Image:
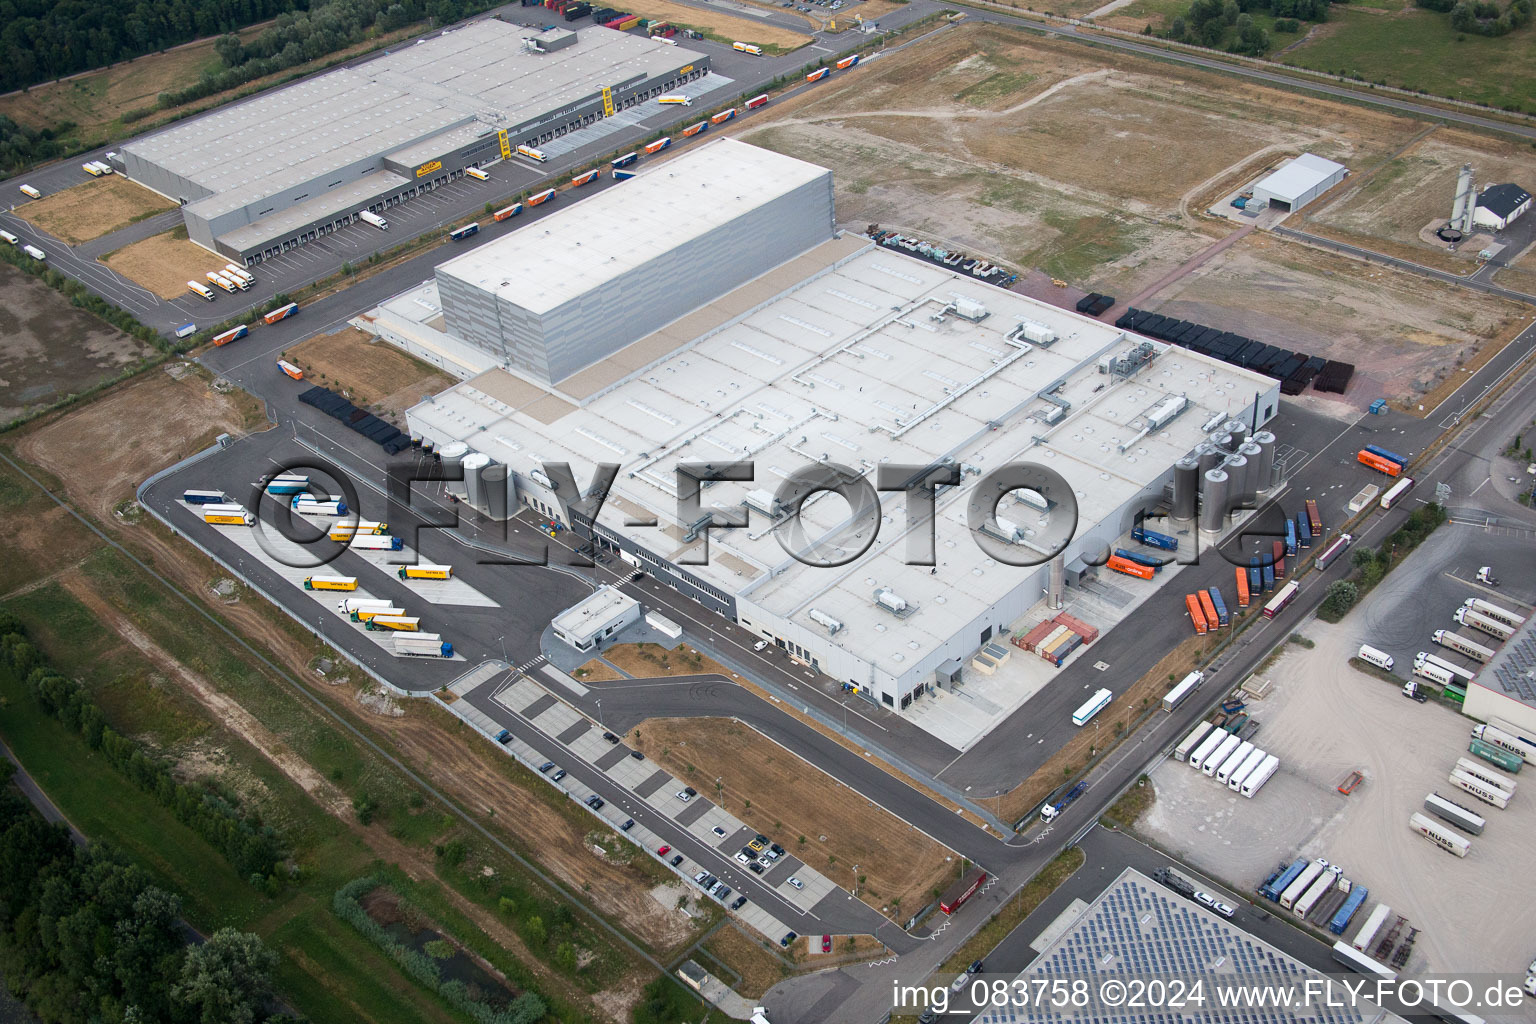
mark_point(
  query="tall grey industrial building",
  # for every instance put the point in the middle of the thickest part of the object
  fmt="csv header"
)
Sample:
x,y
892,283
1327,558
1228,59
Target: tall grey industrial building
x,y
665,243
708,311
291,165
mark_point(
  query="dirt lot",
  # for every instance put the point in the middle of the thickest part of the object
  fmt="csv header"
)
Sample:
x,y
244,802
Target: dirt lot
x,y
595,671
648,661
725,26
1038,154
93,208
1403,333
1416,188
165,263
49,349
782,796
1520,274
369,372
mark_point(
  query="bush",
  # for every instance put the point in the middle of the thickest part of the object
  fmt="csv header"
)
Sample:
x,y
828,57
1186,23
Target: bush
x,y
1342,596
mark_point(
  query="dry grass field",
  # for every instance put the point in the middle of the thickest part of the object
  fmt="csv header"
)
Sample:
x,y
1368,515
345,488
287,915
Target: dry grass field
x,y
1520,274
50,349
93,208
1041,154
1415,188
367,371
1403,333
165,263
785,797
724,26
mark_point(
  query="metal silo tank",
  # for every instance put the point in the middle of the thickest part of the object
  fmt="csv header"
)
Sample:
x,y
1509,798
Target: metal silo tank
x,y
1213,503
1237,481
498,485
1209,458
1238,429
1186,488
1252,452
452,456
1265,474
474,490
1223,443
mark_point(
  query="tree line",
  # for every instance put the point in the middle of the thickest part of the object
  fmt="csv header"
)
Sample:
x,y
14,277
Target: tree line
x,y
41,40
89,939
1481,17
1229,25
251,847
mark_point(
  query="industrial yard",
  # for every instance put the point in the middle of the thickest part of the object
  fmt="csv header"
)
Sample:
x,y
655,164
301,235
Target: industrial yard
x,y
163,263
95,207
1325,720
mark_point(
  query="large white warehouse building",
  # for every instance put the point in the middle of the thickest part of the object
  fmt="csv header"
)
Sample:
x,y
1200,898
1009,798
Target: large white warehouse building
x,y
840,354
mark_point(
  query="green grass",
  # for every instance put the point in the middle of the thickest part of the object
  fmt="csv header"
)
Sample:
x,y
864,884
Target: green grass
x,y
1417,49
1133,803
1014,911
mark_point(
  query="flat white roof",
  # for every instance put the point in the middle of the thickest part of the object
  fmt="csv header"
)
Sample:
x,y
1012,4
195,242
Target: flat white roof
x,y
1295,177
855,364
593,613
588,244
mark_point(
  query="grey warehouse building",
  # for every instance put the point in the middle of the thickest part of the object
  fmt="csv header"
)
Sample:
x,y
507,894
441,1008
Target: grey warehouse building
x,y
666,242
289,166
811,348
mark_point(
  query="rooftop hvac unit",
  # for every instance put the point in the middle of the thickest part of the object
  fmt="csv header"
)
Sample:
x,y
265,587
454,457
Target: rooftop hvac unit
x,y
1212,423
1053,414
969,309
891,601
1035,331
762,501
1008,529
1034,499
819,616
540,478
1163,412
1130,362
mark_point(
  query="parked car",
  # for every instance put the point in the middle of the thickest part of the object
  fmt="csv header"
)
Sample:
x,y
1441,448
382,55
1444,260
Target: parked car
x,y
723,893
684,795
755,868
677,860
717,830
504,737
1222,909
636,755
610,737
762,643
739,902
776,850
826,943
757,844
559,774
663,850
546,766
629,823
788,938
714,886
700,877
975,968
796,882
595,802
1205,900
743,859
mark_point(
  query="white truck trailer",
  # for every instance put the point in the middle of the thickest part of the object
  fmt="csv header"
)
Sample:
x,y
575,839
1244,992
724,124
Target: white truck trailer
x,y
1255,782
1300,884
369,217
1494,612
1426,658
1462,817
1307,900
1460,644
422,645
1223,751
1438,834
1492,795
1479,770
1255,758
1372,927
1427,669
1188,743
1508,741
1234,761
1477,620
1206,748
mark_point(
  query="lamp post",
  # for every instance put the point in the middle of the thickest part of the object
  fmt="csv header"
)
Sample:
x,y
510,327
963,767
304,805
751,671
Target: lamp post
x,y
503,641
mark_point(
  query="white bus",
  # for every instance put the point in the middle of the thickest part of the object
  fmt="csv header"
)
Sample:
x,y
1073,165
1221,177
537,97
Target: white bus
x,y
1188,685
1092,706
1371,656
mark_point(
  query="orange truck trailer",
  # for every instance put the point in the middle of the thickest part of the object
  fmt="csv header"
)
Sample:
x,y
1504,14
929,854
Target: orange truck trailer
x,y
1196,616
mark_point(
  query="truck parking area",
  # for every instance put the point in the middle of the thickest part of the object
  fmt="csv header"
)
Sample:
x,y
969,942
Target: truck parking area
x,y
1327,721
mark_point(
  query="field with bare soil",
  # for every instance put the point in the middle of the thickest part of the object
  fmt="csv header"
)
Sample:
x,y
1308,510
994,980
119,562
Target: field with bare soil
x,y
784,797
1039,154
93,208
50,349
165,263
367,371
1403,333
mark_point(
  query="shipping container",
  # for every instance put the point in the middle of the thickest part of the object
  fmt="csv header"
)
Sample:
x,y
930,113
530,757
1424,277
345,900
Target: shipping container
x,y
657,146
623,175
1208,609
1378,463
461,233
1155,564
1260,775
1277,555
1449,810
757,101
1441,836
1223,617
541,198
1188,744
233,334
586,177
1505,741
1196,616
319,582
507,211
1303,531
1301,883
1129,568
281,313
1314,518
1255,758
1366,936
1390,456
1152,538
1290,536
1243,593
626,160
1206,748
1480,769
1272,889
818,75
